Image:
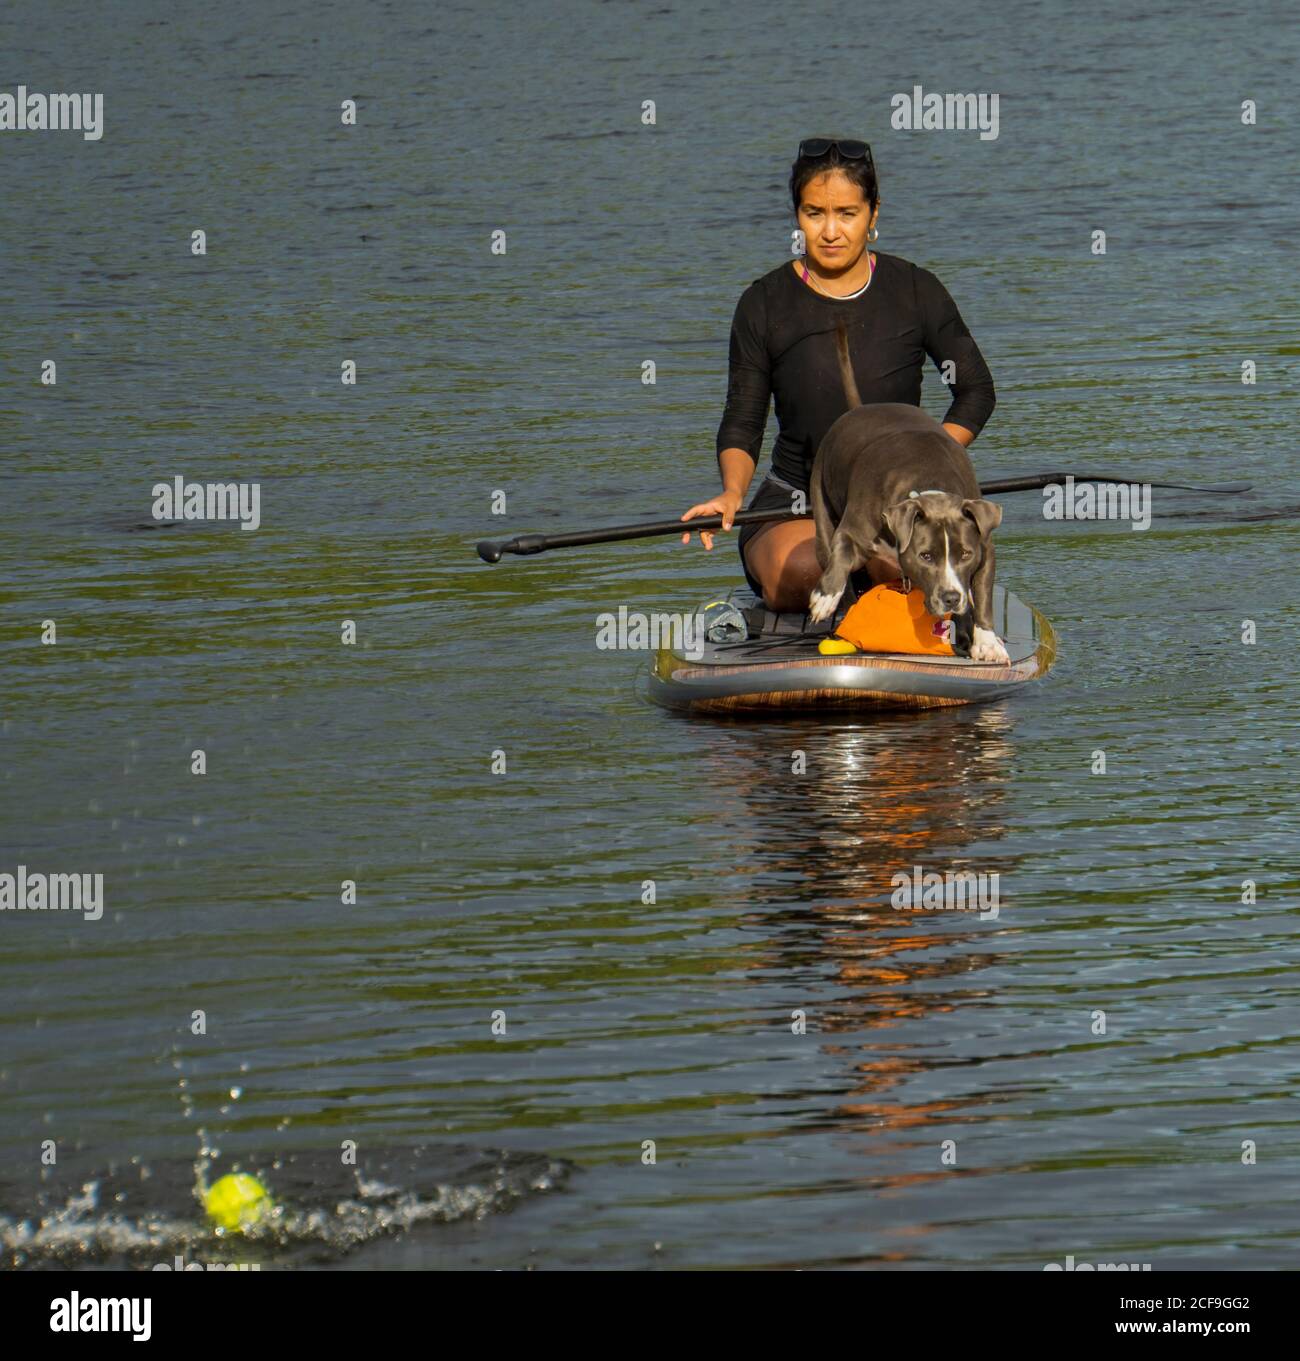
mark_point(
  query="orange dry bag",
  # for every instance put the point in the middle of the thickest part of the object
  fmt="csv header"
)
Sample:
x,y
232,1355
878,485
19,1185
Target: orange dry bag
x,y
886,620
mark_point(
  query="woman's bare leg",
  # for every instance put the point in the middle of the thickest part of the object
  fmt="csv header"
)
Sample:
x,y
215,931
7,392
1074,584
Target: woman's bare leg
x,y
783,559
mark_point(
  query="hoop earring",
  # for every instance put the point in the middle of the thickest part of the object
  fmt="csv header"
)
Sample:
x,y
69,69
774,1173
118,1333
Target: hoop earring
x,y
873,235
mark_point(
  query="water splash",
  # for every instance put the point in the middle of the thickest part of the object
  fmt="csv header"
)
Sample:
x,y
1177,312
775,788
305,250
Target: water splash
x,y
140,1216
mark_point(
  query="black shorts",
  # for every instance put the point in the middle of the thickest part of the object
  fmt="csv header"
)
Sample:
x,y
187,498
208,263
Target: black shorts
x,y
769,496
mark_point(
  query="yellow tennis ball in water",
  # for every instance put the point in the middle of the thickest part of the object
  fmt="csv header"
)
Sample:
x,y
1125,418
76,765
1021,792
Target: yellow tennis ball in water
x,y
237,1201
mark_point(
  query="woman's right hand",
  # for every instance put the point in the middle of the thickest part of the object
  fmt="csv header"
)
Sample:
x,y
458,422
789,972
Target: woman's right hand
x,y
726,504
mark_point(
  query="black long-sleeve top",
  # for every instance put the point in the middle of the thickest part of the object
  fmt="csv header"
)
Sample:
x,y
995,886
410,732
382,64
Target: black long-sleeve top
x,y
783,347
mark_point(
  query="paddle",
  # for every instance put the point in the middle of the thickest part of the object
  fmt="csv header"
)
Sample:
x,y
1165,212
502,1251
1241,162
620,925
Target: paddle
x,y
539,543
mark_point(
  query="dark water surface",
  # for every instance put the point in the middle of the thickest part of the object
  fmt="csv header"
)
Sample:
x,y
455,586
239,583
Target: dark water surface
x,y
523,892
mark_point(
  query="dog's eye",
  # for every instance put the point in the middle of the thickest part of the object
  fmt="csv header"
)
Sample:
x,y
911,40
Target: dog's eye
x,y
966,553
927,557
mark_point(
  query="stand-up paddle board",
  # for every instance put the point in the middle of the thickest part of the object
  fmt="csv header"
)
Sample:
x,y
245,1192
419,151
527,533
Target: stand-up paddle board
x,y
778,668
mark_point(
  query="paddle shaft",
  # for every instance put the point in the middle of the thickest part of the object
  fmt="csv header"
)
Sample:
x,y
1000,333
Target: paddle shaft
x,y
539,543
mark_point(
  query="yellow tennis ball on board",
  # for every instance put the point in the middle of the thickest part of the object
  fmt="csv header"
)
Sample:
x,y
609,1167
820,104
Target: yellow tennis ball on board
x,y
237,1201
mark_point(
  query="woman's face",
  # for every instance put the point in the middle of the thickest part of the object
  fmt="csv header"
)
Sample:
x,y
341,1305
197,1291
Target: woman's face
x,y
835,219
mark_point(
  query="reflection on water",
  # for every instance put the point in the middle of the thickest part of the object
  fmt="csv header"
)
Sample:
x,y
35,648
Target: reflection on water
x,y
877,800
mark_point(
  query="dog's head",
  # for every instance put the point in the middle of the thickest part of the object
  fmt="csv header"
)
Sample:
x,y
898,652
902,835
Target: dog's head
x,y
941,540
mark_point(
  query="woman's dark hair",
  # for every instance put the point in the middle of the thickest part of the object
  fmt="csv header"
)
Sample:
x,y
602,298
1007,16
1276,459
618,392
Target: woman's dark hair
x,y
860,172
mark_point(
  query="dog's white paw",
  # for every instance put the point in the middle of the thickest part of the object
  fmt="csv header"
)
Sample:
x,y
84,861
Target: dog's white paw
x,y
822,606
987,647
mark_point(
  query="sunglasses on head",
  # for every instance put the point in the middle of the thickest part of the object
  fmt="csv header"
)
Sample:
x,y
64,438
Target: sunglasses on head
x,y
848,147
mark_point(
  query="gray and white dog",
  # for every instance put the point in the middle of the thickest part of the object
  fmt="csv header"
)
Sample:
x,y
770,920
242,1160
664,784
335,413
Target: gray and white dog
x,y
889,480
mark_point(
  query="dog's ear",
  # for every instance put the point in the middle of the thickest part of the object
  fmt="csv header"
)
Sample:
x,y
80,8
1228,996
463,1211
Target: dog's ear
x,y
901,520
986,515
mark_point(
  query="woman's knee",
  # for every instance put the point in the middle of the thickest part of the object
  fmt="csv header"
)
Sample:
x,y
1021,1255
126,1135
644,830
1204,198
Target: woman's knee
x,y
788,574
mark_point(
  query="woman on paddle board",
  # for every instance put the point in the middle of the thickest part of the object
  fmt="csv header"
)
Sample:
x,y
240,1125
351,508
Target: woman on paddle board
x,y
783,347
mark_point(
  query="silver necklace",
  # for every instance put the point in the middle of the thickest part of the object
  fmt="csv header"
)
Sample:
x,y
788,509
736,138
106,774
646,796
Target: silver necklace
x,y
842,297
